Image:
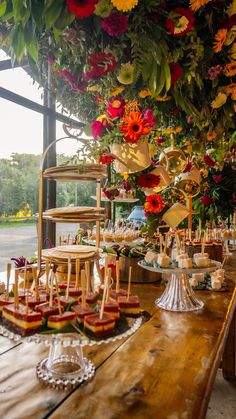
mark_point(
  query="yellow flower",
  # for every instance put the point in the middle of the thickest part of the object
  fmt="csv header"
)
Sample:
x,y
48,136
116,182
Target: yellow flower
x,y
126,74
163,98
175,130
196,4
219,100
230,36
232,8
220,38
103,8
117,91
94,88
230,69
124,5
233,51
211,135
144,93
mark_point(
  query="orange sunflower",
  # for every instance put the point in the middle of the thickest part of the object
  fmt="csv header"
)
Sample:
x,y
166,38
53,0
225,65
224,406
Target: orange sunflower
x,y
153,204
220,38
135,126
230,69
196,4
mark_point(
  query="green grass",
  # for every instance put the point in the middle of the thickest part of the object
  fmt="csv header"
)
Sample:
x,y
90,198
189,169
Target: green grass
x,y
20,223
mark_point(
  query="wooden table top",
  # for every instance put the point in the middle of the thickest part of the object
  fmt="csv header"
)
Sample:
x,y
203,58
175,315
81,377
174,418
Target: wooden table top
x,y
165,370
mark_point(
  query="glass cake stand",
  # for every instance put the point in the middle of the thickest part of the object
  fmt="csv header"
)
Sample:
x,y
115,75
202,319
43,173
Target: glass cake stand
x,y
66,367
178,294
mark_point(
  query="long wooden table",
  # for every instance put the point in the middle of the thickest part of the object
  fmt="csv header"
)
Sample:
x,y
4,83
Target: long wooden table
x,y
165,370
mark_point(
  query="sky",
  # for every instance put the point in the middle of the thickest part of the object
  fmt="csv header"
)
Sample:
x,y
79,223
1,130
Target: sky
x,y
21,130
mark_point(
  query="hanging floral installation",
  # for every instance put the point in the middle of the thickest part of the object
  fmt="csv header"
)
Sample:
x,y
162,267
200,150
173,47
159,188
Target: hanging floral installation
x,y
159,70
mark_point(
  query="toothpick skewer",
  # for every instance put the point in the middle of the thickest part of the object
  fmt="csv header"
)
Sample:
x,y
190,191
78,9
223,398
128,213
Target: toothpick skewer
x,y
58,296
47,271
83,284
16,294
8,281
77,273
99,272
103,298
108,284
36,285
165,243
87,274
117,275
203,242
25,275
160,239
51,288
68,277
129,282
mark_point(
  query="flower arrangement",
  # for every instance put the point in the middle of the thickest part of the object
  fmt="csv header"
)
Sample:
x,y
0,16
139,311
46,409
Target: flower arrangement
x,y
178,56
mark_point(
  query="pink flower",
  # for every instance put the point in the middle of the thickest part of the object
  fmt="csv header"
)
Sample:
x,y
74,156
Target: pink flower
x,y
206,200
115,24
150,117
160,140
126,185
97,129
209,161
217,178
116,107
214,71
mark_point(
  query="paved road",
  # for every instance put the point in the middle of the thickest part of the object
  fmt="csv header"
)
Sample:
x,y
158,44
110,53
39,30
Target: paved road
x,y
22,241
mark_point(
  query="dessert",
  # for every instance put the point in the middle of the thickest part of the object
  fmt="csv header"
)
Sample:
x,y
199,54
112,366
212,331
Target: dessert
x,y
119,293
129,305
33,301
97,326
111,307
185,263
151,257
163,260
81,311
58,321
202,261
5,301
91,298
64,301
46,310
22,319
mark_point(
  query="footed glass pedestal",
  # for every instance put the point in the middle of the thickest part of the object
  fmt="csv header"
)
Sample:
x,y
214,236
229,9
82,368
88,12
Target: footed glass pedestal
x,y
65,366
178,294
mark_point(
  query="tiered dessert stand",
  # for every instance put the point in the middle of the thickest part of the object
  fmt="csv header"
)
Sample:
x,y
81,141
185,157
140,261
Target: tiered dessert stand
x,y
178,294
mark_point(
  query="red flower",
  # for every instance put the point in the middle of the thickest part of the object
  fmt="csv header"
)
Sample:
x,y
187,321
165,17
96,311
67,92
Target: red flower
x,y
105,158
217,178
148,180
176,72
116,107
81,8
101,64
188,167
115,24
153,204
180,21
206,200
209,161
160,140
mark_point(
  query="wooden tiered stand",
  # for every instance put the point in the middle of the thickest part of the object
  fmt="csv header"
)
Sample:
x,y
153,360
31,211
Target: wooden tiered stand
x,y
66,176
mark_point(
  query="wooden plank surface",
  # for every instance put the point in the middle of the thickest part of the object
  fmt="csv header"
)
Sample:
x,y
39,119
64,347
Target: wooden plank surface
x,y
163,371
6,344
18,377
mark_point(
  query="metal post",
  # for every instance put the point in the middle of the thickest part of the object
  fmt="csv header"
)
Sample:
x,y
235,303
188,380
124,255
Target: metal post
x,y
49,229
